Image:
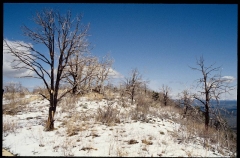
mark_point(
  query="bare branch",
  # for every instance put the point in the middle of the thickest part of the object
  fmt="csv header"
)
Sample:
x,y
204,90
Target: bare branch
x,y
213,86
61,36
44,96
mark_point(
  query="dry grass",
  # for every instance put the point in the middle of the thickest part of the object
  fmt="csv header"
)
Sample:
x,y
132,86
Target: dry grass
x,y
44,92
225,139
16,103
9,126
132,141
171,109
109,114
109,95
161,132
33,98
93,96
142,108
13,96
123,101
115,146
190,129
67,146
121,152
77,122
74,124
147,142
71,128
88,148
37,136
68,103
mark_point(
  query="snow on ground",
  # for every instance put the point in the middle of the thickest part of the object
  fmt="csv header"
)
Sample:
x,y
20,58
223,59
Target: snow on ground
x,y
92,138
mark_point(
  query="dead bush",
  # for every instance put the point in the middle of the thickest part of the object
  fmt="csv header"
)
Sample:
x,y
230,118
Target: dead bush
x,y
73,124
67,147
13,95
147,142
93,96
123,101
68,103
72,128
108,114
109,95
142,108
15,103
9,126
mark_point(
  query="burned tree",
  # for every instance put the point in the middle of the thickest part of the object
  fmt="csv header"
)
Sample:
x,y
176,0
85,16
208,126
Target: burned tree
x,y
132,83
211,87
185,101
79,72
62,36
102,73
165,90
85,73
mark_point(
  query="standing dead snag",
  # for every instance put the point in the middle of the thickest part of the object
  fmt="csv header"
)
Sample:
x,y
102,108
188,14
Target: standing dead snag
x,y
102,73
165,94
132,83
185,101
85,73
212,86
63,38
79,71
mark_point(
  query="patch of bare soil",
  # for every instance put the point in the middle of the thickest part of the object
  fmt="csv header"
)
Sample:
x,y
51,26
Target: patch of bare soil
x,y
6,153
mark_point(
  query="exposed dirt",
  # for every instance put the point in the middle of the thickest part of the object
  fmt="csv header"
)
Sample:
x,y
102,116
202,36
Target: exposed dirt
x,y
6,153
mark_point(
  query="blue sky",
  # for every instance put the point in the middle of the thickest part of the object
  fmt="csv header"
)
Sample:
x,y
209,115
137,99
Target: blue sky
x,y
161,40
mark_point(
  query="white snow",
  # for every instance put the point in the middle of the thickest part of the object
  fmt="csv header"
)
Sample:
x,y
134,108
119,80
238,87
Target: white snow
x,y
93,138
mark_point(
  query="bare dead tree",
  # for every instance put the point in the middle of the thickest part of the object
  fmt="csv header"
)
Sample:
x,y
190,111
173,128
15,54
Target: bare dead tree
x,y
87,73
12,87
211,86
102,72
165,94
79,71
132,83
185,101
75,67
62,36
143,88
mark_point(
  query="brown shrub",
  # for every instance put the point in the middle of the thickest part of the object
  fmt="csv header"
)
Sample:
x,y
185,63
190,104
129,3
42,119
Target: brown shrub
x,y
93,96
68,103
9,126
108,114
141,110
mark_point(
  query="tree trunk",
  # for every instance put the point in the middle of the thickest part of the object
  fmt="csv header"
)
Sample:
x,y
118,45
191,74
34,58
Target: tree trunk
x,y
74,90
132,97
52,109
50,122
206,117
75,84
185,111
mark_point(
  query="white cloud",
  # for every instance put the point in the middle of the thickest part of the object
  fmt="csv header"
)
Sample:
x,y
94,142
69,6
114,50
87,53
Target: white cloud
x,y
228,78
8,71
114,74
